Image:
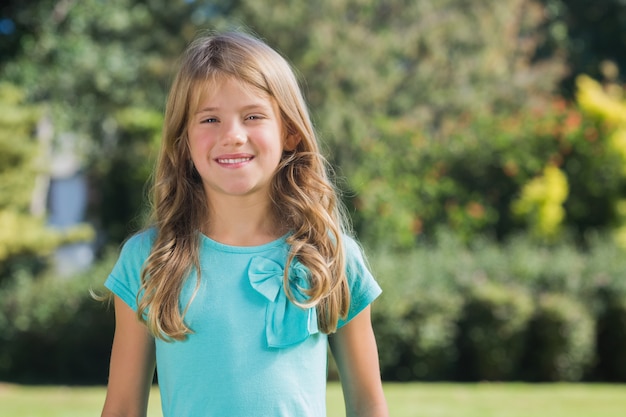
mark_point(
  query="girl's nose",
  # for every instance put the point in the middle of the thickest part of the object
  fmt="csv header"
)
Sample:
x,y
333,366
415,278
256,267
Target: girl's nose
x,y
234,135
234,139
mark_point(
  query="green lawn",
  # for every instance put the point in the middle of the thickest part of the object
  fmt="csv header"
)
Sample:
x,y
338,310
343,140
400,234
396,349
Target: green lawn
x,y
405,400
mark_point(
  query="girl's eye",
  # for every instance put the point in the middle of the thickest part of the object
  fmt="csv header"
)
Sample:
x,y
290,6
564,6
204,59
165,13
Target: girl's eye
x,y
254,117
209,120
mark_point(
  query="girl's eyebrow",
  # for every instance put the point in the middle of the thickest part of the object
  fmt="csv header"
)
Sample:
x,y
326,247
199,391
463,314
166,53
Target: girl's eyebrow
x,y
244,108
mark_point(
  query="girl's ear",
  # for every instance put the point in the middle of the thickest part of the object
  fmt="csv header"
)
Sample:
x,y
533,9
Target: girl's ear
x,y
291,141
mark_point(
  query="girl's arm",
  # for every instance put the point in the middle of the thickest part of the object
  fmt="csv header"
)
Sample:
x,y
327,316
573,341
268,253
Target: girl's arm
x,y
355,352
132,366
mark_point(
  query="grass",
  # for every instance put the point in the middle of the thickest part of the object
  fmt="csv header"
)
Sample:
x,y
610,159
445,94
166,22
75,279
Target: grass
x,y
405,400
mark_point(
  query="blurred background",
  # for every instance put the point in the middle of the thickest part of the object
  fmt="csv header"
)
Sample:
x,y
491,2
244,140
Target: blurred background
x,y
480,147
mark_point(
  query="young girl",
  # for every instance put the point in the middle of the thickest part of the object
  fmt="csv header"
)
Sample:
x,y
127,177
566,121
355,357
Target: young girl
x,y
246,274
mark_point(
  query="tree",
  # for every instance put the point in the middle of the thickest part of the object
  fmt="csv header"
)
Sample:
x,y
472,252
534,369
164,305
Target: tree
x,y
23,230
386,80
587,33
102,69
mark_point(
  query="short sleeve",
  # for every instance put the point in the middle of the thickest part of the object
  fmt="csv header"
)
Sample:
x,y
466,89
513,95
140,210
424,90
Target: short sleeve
x,y
125,278
363,287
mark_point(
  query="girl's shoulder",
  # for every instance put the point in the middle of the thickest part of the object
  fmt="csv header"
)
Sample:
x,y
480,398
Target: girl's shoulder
x,y
350,243
125,277
355,255
363,286
139,244
142,237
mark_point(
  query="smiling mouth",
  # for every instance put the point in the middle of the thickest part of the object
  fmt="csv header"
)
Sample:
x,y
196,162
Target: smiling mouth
x,y
233,160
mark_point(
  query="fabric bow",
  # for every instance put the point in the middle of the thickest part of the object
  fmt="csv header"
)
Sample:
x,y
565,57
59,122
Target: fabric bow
x,y
286,324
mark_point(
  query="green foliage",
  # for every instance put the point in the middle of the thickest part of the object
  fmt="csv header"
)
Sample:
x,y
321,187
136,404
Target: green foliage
x,y
102,70
480,179
19,150
51,330
416,324
507,311
21,166
389,81
492,331
542,200
22,234
434,122
418,105
607,104
448,312
611,336
587,33
562,340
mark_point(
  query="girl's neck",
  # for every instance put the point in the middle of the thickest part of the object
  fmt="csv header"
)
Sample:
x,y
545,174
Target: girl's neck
x,y
242,224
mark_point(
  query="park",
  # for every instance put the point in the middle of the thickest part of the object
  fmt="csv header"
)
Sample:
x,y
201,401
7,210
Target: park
x,y
479,149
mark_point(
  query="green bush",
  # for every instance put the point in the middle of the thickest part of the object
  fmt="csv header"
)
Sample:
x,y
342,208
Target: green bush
x,y
419,341
415,318
446,293
605,294
471,179
611,336
52,331
492,331
449,311
561,340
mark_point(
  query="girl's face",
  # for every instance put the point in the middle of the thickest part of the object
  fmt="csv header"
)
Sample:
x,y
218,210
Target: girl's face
x,y
236,140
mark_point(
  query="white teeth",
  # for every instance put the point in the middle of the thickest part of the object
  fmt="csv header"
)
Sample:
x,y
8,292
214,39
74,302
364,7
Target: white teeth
x,y
233,160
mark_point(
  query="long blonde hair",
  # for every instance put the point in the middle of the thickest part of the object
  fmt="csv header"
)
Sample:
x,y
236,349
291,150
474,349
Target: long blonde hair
x,y
302,192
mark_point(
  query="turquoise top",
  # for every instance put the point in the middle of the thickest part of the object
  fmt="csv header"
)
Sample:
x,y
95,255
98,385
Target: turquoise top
x,y
253,352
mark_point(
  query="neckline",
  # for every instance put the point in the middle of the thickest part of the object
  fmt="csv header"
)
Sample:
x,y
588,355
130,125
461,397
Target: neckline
x,y
207,241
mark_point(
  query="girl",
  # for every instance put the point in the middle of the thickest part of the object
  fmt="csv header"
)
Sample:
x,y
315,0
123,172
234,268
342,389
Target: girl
x,y
246,274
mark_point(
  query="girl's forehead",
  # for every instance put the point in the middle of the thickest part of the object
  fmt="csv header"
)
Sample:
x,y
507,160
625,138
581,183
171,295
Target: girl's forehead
x,y
206,90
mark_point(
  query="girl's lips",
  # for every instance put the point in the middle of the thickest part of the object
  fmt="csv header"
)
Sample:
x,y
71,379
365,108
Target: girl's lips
x,y
233,160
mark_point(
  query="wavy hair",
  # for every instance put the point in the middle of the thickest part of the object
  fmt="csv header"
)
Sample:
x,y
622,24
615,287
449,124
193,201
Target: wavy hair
x,y
303,196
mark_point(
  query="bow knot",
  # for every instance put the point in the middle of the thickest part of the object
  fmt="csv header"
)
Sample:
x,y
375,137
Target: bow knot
x,y
286,324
